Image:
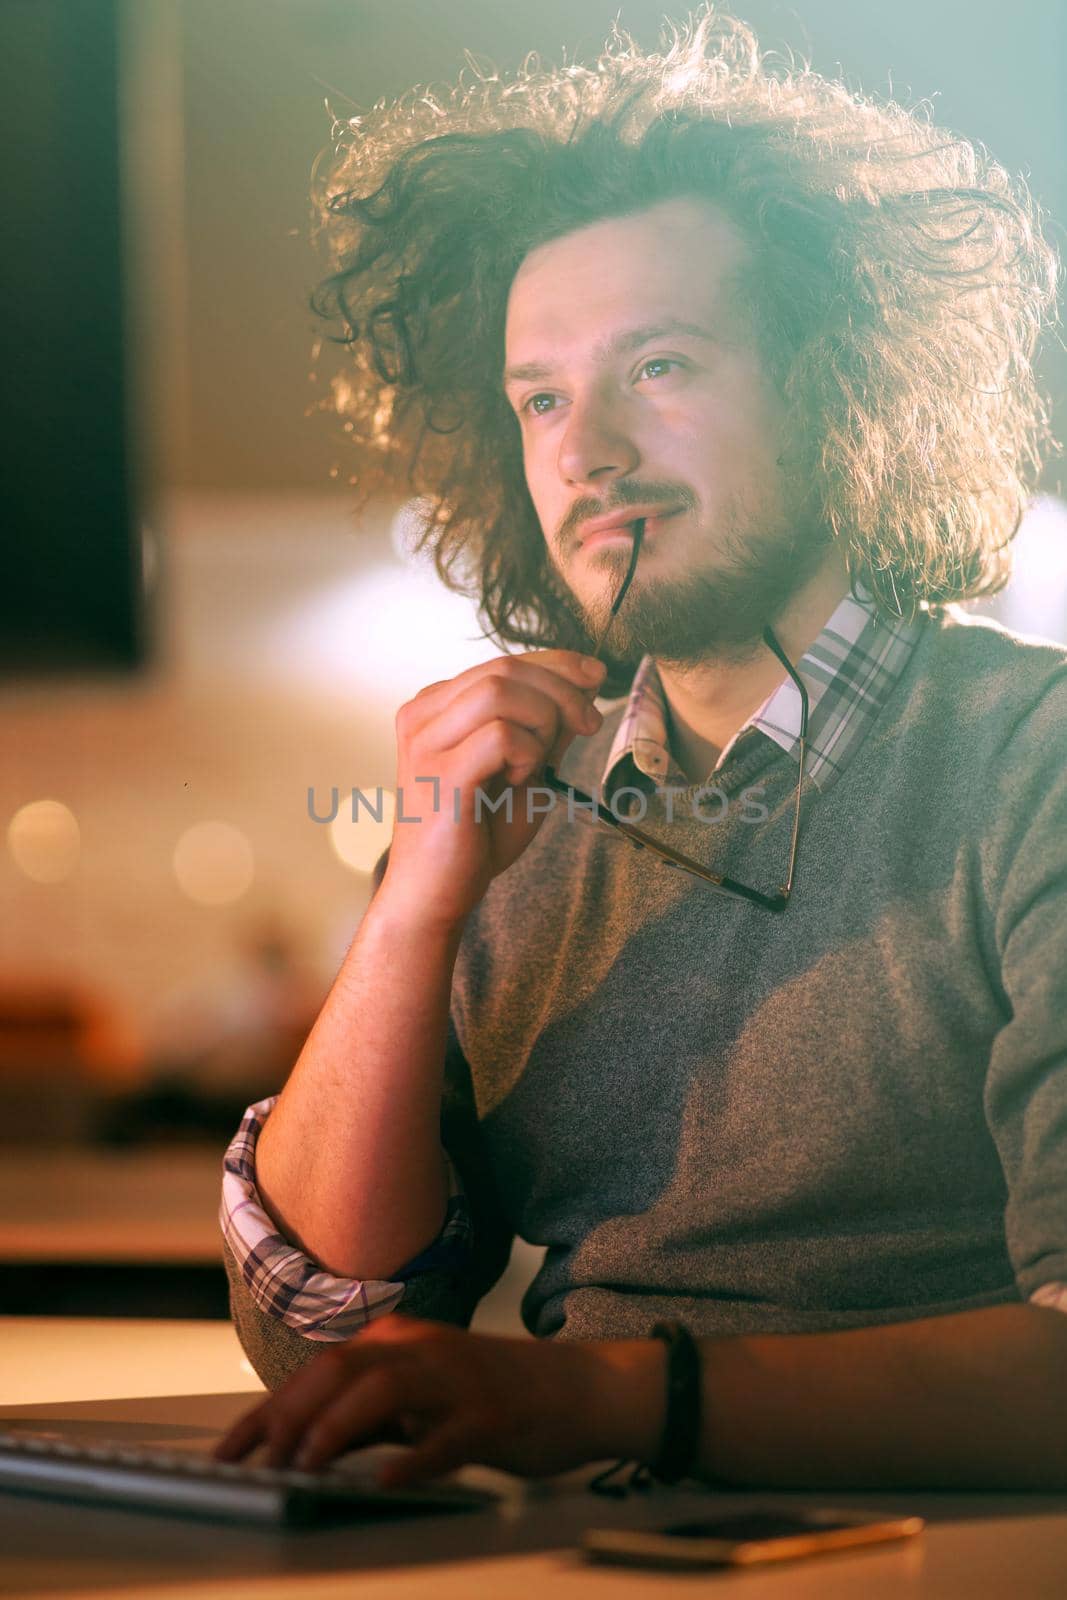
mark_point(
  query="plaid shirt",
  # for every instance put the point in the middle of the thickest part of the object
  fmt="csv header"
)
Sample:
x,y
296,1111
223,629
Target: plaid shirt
x,y
848,671
285,1282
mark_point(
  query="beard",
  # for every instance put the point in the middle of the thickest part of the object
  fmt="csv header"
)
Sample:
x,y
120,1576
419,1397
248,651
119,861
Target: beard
x,y
718,613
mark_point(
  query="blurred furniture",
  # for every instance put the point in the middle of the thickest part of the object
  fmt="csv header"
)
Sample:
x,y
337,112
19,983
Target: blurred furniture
x,y
62,1051
92,1231
87,1232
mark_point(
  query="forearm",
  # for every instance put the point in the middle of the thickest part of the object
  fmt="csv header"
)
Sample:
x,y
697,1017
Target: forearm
x,y
973,1400
349,1163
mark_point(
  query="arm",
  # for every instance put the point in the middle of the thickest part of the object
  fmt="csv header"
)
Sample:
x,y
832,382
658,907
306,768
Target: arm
x,y
285,1306
967,1401
973,1400
350,1164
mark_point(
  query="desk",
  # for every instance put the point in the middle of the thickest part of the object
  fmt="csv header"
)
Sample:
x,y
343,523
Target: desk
x,y
156,1205
977,1547
111,1232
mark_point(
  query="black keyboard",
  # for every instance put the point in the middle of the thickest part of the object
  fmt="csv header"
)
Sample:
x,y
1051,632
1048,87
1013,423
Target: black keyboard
x,y
195,1485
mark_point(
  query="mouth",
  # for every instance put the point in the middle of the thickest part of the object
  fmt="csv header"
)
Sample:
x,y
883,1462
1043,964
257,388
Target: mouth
x,y
604,532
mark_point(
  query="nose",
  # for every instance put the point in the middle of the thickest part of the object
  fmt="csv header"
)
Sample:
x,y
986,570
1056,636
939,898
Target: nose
x,y
597,445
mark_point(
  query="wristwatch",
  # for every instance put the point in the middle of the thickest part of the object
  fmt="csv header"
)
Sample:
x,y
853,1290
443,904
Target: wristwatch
x,y
680,1444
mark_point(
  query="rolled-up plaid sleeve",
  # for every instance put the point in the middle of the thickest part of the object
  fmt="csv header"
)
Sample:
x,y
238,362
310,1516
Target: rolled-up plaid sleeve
x,y
285,1307
288,1285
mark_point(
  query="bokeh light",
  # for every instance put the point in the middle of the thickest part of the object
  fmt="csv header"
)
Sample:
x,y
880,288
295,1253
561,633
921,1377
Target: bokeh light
x,y
359,843
45,840
213,863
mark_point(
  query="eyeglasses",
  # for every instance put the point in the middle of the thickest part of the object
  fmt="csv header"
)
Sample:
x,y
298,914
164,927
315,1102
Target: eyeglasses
x,y
640,840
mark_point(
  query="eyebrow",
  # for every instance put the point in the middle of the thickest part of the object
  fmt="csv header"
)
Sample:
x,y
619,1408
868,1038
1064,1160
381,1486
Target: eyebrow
x,y
619,344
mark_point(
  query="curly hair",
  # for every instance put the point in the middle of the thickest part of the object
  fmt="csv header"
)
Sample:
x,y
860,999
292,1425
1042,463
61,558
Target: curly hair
x,y
900,274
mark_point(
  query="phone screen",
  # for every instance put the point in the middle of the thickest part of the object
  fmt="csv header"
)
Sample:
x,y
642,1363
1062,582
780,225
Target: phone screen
x,y
752,1525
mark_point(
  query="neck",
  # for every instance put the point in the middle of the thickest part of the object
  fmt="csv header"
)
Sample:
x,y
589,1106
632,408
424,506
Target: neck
x,y
708,703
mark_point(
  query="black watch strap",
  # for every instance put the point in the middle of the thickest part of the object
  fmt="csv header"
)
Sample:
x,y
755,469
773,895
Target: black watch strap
x,y
680,1445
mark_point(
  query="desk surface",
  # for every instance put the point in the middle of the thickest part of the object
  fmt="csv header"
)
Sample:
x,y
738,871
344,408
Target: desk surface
x,y
112,1358
976,1547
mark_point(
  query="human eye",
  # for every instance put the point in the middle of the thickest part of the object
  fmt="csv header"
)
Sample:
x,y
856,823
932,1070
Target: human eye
x,y
529,407
659,361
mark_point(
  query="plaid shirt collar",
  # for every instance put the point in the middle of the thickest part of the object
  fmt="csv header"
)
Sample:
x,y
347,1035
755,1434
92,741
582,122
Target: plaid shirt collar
x,y
848,671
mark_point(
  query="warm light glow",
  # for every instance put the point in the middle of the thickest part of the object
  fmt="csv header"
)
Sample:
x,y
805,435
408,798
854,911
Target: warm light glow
x,y
410,521
680,80
359,844
213,863
45,840
375,639
1035,601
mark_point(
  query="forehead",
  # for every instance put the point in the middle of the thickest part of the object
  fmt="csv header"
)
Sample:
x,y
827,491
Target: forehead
x,y
675,259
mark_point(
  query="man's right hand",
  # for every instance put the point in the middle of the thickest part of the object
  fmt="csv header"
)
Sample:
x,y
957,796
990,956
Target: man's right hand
x,y
493,726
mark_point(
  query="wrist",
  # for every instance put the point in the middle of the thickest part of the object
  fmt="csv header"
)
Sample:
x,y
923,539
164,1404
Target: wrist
x,y
627,1398
391,917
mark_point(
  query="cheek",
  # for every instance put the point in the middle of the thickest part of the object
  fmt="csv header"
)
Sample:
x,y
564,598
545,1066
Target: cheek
x,y
696,444
728,438
542,483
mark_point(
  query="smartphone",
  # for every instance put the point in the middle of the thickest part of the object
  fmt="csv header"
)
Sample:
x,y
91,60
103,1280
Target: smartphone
x,y
745,1538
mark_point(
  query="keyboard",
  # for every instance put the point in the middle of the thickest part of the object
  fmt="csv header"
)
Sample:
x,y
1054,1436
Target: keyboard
x,y
190,1484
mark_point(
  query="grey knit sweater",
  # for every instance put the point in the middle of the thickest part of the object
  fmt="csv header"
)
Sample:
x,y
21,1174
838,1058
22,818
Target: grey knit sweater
x,y
853,1112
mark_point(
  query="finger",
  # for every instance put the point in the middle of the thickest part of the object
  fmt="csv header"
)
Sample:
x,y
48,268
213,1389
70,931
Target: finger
x,y
498,747
536,700
247,1432
373,1400
287,1413
581,670
546,668
543,714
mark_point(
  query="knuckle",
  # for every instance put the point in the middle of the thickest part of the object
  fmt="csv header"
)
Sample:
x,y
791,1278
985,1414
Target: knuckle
x,y
496,693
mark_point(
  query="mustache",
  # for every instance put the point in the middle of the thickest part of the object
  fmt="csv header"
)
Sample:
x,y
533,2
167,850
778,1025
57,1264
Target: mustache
x,y
624,495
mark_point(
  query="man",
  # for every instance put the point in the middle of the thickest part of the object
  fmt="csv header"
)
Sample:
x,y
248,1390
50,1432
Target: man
x,y
779,340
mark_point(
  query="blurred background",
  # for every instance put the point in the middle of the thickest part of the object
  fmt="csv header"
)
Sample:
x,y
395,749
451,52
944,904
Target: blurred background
x,y
195,630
